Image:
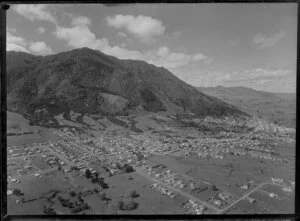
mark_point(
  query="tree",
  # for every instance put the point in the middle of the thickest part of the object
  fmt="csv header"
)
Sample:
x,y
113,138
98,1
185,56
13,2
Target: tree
x,y
74,168
48,210
94,180
17,192
214,188
88,174
127,168
127,205
102,183
72,193
133,194
103,196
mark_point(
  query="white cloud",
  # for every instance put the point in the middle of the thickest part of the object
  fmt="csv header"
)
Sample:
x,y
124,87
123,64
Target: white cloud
x,y
164,57
35,12
11,30
15,43
264,79
199,57
176,34
80,35
233,42
263,42
163,51
40,48
141,26
40,30
81,20
122,34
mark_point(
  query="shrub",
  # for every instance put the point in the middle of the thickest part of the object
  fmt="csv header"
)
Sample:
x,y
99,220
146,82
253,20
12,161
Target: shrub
x,y
127,168
72,193
102,183
88,174
94,180
133,194
74,168
48,210
103,196
127,205
17,192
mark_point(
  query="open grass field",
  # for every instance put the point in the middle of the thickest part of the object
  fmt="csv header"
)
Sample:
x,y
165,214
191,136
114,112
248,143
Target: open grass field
x,y
31,208
150,201
16,123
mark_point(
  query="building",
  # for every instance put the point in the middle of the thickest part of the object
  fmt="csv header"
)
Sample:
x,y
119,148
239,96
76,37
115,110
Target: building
x,y
273,195
251,200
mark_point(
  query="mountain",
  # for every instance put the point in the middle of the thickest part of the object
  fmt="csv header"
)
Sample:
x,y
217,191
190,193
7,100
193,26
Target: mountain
x,y
279,108
89,81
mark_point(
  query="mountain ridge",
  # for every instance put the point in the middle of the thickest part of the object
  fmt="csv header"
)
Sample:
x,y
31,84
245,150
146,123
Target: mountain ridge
x,y
278,108
86,80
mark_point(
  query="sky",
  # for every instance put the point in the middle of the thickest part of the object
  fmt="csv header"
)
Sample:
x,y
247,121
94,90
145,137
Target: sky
x,y
206,45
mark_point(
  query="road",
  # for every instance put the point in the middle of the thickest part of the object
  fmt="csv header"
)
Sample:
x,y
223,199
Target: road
x,y
219,211
177,190
247,194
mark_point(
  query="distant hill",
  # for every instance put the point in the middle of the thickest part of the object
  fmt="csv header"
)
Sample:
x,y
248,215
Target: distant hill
x,y
275,107
89,81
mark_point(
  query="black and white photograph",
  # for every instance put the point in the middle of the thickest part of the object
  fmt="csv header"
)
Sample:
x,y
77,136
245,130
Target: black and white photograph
x,y
151,109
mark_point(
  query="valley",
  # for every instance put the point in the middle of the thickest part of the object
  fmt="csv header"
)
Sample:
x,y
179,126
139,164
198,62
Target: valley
x,y
150,164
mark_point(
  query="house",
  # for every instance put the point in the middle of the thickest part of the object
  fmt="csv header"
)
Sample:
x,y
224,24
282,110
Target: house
x,y
245,187
273,195
224,195
287,189
251,200
217,202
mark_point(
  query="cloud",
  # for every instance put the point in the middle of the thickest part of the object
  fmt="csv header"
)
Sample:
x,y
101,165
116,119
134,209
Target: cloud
x,y
11,30
233,42
81,20
163,56
122,34
35,12
176,34
15,43
40,30
276,80
80,35
143,27
258,73
40,48
263,42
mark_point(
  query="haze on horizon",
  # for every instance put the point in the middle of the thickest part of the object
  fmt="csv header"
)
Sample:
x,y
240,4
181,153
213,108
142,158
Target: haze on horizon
x,y
206,45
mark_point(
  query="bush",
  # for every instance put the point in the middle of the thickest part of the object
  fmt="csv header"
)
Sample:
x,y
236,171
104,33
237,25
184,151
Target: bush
x,y
74,168
127,205
17,192
133,194
48,210
72,193
127,168
102,183
103,196
88,174
94,180
214,188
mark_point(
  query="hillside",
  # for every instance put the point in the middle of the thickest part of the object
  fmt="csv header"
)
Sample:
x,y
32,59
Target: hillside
x,y
89,81
275,107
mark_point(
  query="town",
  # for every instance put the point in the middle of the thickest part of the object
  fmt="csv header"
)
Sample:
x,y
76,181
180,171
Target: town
x,y
88,164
